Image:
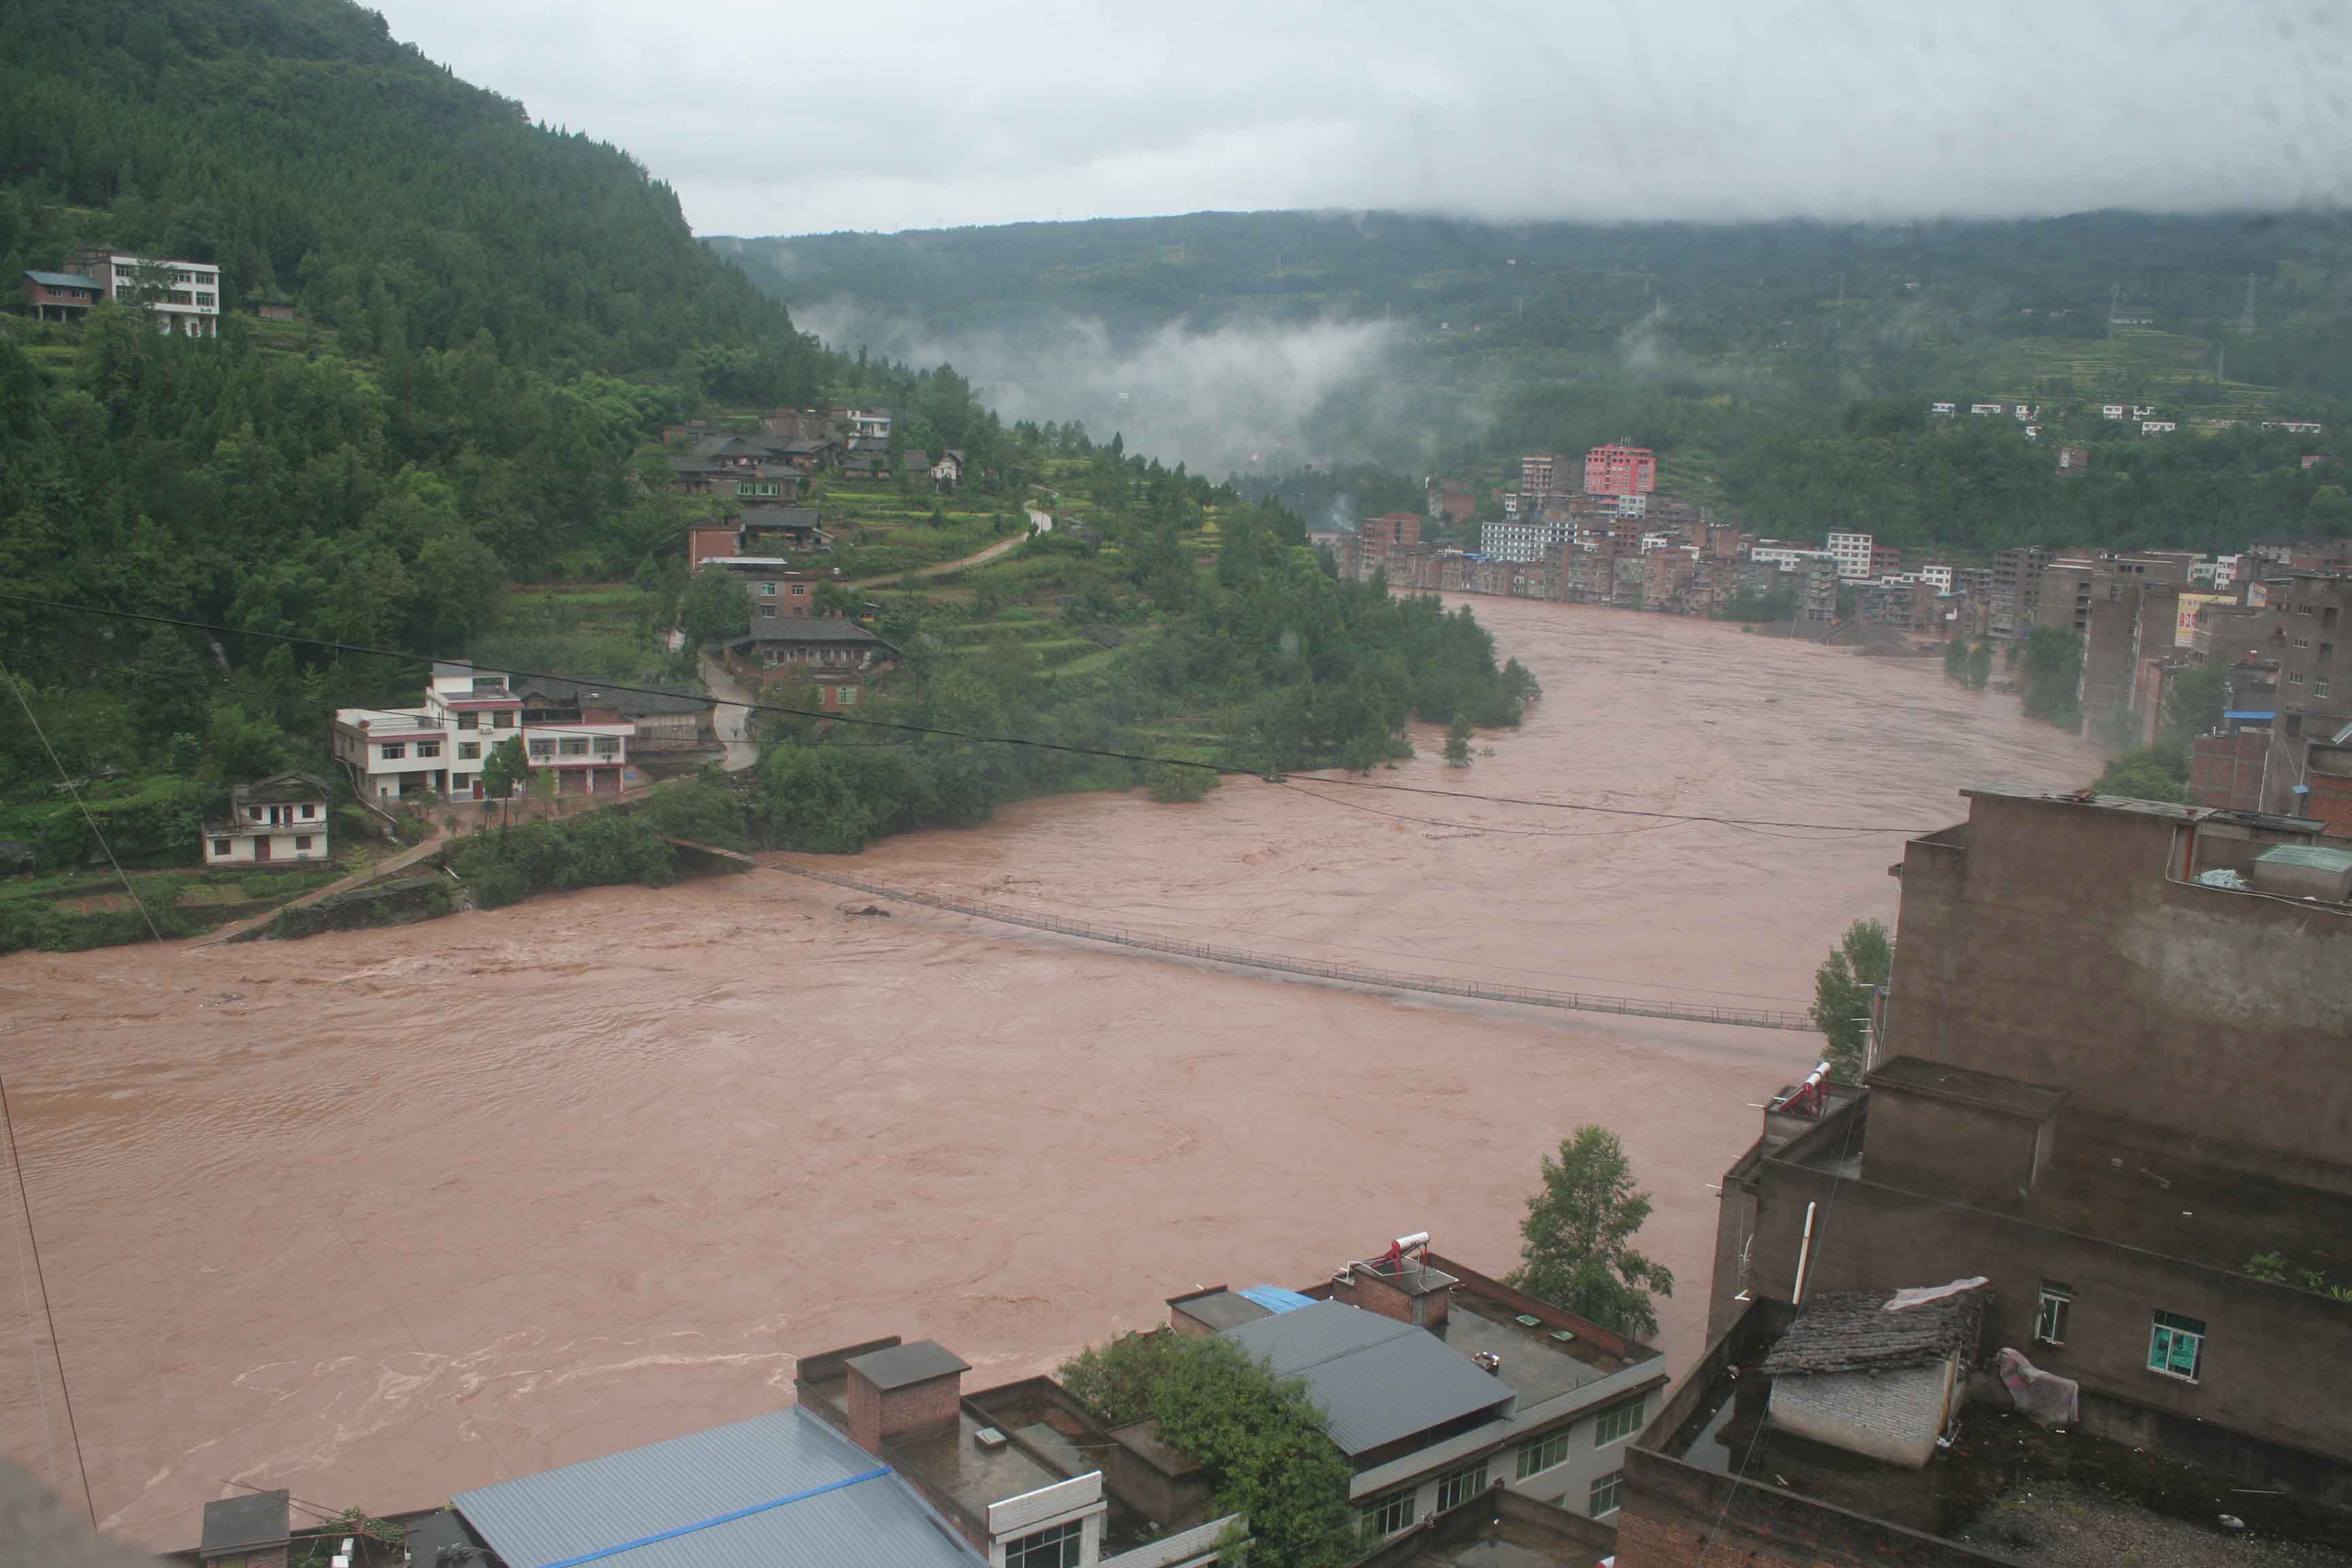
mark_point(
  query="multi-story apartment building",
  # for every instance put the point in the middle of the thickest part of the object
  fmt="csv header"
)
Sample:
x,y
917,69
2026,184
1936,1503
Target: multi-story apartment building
x,y
1854,553
1617,469
183,298
1389,533
1538,477
2017,591
1523,540
441,746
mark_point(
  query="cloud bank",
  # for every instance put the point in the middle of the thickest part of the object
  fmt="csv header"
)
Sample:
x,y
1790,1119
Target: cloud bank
x,y
889,114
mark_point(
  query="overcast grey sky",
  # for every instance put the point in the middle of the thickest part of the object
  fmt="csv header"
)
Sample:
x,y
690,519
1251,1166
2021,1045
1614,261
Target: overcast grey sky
x,y
889,114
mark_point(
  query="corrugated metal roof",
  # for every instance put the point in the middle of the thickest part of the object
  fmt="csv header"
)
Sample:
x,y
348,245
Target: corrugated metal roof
x,y
563,1515
1375,1379
64,280
1275,1298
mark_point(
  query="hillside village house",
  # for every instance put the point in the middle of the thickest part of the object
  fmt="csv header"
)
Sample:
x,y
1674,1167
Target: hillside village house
x,y
840,656
60,296
183,298
281,817
441,746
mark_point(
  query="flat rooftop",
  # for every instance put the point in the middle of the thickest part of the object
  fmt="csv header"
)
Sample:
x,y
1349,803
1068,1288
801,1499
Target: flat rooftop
x,y
2160,1202
1535,1365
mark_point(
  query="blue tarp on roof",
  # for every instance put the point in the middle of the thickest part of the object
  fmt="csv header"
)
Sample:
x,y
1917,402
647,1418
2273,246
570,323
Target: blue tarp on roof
x,y
1275,1298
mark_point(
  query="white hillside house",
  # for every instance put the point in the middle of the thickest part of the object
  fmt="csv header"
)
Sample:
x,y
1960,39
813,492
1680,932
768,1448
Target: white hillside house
x,y
442,746
281,817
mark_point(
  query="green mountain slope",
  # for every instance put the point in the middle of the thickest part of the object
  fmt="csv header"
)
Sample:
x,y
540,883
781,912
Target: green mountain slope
x,y
1783,371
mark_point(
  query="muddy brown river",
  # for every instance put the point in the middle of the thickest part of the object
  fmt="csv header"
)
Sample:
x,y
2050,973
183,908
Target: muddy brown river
x,y
380,1216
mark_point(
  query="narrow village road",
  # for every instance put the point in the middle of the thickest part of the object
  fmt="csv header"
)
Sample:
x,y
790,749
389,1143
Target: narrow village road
x,y
382,869
731,716
1001,547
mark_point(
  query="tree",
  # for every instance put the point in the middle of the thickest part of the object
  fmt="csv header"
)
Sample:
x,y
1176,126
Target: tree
x,y
507,767
713,609
1956,659
2053,677
2194,702
1457,742
1858,966
1578,1251
170,689
2148,773
1979,666
1260,1438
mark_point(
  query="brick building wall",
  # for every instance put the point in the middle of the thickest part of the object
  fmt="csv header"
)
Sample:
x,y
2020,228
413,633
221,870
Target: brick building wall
x,y
876,1414
2226,770
1671,1514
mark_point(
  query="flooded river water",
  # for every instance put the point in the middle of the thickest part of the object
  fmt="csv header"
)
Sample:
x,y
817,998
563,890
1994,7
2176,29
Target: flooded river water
x,y
380,1215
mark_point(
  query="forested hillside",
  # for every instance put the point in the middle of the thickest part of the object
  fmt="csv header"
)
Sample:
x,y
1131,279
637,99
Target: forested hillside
x,y
490,317
1782,371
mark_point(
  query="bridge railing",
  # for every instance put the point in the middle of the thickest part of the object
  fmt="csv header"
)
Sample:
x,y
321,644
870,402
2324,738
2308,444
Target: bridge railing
x,y
1349,974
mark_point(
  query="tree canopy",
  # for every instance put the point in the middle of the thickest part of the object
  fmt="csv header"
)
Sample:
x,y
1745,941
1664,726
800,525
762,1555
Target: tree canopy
x,y
1577,1247
1863,960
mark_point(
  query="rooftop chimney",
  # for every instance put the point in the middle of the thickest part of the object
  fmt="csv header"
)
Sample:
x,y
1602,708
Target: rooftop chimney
x,y
905,1388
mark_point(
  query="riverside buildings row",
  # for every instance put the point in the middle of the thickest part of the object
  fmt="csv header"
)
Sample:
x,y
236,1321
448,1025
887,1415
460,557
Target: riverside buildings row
x,y
1452,1400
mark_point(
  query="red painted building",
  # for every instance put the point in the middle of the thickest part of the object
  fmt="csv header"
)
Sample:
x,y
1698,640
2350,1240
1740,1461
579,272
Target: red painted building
x,y
1620,470
1393,531
60,296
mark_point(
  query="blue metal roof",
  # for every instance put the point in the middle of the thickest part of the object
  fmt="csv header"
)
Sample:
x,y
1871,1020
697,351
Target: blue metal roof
x,y
1275,1298
779,1491
2249,713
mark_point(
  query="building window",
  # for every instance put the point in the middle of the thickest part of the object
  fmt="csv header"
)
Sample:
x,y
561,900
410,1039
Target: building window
x,y
800,590
608,745
845,696
767,590
1390,1514
1617,1424
2176,1346
221,847
1457,1487
767,611
2295,679
394,751
1603,1500
2319,688
572,746
429,748
502,720
541,750
1059,1547
305,812
469,721
2049,1317
302,841
469,751
1542,1454
2303,642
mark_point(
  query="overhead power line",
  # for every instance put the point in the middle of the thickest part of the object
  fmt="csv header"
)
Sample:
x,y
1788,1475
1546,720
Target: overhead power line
x,y
940,732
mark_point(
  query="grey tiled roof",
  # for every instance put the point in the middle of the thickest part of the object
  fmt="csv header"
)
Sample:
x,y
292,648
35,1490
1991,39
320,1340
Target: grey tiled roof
x,y
750,1469
1848,1331
250,1518
1376,1380
901,1364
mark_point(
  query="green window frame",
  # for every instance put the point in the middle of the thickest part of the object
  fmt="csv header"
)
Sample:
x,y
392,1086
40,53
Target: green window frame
x,y
1385,1516
1540,1453
2176,1346
1617,1423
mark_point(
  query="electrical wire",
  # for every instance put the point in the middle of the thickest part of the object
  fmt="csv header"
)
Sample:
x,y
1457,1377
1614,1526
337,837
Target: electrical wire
x,y
57,1347
26,703
947,732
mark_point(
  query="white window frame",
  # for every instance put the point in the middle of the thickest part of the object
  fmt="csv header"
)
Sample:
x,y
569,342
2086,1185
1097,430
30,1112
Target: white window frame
x,y
2165,1336
1606,1495
1390,1515
2051,1312
1463,1483
1548,1452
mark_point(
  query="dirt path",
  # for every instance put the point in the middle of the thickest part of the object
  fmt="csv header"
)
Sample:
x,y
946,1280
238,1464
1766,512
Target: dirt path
x,y
731,715
382,869
1001,547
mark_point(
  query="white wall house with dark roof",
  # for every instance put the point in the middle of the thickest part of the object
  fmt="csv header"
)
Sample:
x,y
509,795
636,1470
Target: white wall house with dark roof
x,y
270,821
